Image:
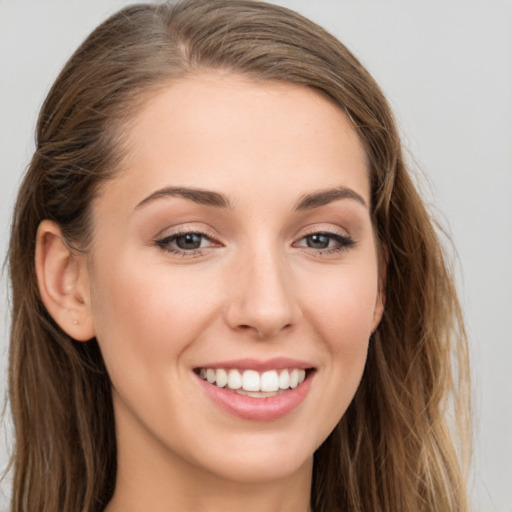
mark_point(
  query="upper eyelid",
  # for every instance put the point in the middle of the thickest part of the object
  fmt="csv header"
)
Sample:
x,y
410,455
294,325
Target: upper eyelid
x,y
177,234
184,230
215,236
346,239
321,228
173,236
326,233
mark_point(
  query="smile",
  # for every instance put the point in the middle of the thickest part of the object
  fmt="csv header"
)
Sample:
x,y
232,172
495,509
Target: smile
x,y
256,390
253,383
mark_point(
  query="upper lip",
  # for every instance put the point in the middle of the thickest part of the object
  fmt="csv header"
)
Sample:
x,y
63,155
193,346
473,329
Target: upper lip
x,y
277,363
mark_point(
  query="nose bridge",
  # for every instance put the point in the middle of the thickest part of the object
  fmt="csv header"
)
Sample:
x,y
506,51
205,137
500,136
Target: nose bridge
x,y
263,297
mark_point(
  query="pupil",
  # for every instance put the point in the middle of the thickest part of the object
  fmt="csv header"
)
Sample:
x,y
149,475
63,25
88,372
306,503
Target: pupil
x,y
318,241
189,241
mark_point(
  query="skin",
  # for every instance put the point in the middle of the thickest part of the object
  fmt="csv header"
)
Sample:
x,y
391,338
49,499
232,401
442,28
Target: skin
x,y
257,289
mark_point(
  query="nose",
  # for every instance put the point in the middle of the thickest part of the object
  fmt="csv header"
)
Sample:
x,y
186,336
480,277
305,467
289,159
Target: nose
x,y
262,299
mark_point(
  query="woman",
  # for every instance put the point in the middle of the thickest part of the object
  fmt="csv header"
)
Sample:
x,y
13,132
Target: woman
x,y
226,291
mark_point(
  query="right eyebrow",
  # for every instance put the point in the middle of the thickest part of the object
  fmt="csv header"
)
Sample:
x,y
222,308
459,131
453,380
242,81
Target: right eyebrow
x,y
197,195
323,197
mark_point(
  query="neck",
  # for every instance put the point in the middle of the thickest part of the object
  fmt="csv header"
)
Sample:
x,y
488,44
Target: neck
x,y
173,496
152,477
176,488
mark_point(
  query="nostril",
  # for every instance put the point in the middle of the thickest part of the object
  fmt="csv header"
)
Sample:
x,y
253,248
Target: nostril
x,y
245,327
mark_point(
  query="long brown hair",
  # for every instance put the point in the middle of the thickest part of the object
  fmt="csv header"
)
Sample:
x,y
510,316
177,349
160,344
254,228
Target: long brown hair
x,y
395,448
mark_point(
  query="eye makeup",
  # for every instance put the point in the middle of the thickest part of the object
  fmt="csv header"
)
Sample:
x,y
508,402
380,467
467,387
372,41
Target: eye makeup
x,y
326,242
193,242
187,243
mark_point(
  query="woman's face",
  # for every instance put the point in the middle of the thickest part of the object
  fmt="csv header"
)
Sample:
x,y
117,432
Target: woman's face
x,y
236,244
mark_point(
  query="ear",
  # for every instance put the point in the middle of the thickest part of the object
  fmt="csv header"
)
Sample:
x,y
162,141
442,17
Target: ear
x,y
383,256
63,281
379,310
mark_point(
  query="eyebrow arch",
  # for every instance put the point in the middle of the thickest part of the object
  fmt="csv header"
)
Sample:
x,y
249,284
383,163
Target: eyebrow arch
x,y
323,197
197,195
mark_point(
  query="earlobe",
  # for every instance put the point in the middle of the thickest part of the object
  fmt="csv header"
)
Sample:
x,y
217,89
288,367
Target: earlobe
x,y
63,282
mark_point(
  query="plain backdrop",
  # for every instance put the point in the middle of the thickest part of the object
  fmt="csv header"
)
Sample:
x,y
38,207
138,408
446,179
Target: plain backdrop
x,y
446,67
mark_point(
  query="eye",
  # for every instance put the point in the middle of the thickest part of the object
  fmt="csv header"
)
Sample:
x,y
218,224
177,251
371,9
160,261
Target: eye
x,y
318,241
190,241
185,243
325,242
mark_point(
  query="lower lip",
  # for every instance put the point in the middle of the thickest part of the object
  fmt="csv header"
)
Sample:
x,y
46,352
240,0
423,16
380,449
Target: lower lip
x,y
258,409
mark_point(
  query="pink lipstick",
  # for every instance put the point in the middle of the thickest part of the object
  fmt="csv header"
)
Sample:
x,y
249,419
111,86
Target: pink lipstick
x,y
254,389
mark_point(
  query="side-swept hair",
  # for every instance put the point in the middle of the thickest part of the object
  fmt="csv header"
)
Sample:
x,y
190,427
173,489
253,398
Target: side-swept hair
x,y
394,449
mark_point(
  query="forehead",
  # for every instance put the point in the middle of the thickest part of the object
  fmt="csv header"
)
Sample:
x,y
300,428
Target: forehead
x,y
223,131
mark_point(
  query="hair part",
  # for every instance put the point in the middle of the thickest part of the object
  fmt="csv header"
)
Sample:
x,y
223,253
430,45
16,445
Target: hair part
x,y
393,449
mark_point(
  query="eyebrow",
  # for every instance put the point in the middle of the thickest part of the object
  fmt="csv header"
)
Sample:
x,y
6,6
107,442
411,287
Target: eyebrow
x,y
323,197
218,200
197,195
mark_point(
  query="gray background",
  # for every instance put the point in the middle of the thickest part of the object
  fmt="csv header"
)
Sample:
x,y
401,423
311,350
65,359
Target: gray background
x,y
446,67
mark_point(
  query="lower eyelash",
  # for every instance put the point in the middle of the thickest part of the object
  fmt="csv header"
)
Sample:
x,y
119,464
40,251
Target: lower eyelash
x,y
178,252
344,244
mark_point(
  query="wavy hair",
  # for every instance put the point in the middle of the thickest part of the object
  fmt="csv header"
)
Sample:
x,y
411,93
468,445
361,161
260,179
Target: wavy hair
x,y
400,444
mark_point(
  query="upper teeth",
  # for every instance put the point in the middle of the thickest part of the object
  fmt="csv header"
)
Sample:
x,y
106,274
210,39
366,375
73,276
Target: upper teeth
x,y
251,380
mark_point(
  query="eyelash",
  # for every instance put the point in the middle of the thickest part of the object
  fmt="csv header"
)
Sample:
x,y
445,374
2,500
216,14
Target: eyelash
x,y
342,243
165,243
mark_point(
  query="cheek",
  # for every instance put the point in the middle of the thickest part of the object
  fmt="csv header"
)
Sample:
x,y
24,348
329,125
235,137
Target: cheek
x,y
341,311
144,312
342,305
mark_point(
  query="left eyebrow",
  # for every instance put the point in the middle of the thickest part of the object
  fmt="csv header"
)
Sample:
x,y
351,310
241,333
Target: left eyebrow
x,y
323,197
197,195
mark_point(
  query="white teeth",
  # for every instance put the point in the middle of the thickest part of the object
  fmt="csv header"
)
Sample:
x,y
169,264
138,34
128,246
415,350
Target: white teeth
x,y
221,378
210,375
269,381
234,379
284,380
294,378
250,381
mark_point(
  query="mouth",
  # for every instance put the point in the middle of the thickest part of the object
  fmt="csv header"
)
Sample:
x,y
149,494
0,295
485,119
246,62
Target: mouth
x,y
254,383
257,390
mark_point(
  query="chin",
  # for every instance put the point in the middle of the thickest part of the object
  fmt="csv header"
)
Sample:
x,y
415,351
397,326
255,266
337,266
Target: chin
x,y
262,459
264,470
